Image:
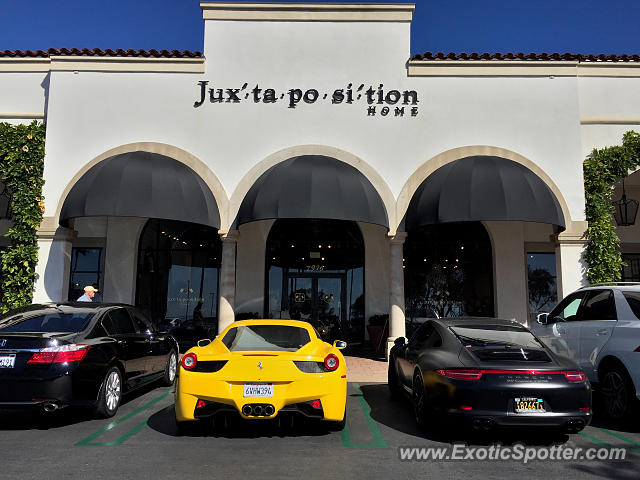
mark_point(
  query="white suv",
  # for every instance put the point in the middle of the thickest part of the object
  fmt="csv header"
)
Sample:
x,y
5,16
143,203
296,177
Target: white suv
x,y
599,328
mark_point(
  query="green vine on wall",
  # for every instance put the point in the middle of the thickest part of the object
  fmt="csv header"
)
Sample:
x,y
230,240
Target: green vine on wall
x,y
602,170
21,168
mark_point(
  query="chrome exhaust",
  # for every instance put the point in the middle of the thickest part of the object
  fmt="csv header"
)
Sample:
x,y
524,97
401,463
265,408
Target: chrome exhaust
x,y
50,407
269,410
247,410
257,410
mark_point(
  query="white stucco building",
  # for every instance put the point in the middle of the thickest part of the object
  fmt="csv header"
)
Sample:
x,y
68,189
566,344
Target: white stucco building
x,y
305,148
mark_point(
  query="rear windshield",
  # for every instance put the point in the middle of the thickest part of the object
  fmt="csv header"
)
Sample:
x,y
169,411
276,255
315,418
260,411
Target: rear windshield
x,y
50,322
489,335
633,299
246,338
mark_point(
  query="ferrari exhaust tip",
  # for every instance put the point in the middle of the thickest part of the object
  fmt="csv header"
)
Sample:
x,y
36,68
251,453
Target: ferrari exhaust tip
x,y
268,410
247,410
257,410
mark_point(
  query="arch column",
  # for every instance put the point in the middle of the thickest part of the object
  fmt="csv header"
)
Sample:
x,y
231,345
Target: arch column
x,y
226,315
570,266
396,289
54,262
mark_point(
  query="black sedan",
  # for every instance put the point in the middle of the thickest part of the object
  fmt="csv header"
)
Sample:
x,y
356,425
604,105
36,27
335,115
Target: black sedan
x,y
488,372
88,354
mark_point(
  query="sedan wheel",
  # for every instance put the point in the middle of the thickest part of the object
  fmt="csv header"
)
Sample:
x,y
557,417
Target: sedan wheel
x,y
170,369
615,394
110,394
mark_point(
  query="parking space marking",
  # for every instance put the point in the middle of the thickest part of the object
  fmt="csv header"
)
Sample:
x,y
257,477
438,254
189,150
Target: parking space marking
x,y
88,441
594,439
345,434
620,437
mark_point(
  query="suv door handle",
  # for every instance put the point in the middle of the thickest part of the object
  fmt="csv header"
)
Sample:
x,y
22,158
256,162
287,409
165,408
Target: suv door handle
x,y
602,332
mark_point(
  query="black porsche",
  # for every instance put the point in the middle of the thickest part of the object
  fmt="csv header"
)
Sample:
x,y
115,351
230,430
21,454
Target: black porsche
x,y
56,355
488,372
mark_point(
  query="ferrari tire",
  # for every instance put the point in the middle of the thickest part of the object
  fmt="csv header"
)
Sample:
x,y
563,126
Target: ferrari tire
x,y
170,369
110,394
392,379
617,393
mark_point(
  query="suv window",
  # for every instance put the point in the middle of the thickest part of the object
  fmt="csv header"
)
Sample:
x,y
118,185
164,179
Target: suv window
x,y
633,299
599,305
118,321
567,310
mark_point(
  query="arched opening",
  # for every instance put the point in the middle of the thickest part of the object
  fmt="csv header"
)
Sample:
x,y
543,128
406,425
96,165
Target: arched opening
x,y
448,270
178,275
315,272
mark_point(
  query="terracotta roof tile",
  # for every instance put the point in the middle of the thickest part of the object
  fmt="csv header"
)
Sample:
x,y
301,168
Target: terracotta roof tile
x,y
97,52
526,56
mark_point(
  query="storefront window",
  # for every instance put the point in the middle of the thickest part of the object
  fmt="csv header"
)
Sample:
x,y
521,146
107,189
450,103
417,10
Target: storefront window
x,y
86,269
543,291
448,271
631,271
315,272
178,268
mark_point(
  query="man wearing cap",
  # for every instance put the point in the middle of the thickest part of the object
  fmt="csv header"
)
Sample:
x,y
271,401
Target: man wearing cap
x,y
89,293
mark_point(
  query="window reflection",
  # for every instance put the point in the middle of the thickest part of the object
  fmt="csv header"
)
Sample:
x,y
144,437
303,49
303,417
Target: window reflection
x,y
178,268
86,269
541,280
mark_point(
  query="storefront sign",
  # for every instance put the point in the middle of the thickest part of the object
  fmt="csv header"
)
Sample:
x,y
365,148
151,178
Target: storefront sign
x,y
377,101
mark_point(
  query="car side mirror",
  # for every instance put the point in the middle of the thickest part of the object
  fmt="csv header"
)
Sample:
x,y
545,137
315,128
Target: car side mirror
x,y
543,318
339,344
204,342
399,342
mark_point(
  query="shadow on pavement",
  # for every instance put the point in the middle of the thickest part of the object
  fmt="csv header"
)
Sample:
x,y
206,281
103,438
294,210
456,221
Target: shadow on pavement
x,y
618,469
398,415
233,426
35,418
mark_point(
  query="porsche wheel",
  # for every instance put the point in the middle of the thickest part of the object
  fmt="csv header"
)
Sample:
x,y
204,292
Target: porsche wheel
x,y
170,369
110,394
419,401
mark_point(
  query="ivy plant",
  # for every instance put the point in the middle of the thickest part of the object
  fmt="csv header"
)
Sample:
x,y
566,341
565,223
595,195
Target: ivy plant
x,y
21,169
602,170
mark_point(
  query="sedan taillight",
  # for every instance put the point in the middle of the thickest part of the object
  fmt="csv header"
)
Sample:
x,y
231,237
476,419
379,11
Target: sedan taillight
x,y
637,349
60,354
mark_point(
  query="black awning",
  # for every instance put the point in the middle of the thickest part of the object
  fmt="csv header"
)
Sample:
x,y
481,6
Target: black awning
x,y
313,186
483,188
142,184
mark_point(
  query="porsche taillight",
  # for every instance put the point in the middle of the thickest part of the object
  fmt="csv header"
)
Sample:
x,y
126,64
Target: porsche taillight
x,y
461,374
331,362
189,361
60,354
575,376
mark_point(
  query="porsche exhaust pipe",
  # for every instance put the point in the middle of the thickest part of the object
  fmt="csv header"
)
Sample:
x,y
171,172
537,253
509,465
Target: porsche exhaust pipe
x,y
50,407
269,410
247,410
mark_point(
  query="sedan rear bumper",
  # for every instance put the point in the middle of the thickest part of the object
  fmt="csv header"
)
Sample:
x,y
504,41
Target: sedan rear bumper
x,y
29,392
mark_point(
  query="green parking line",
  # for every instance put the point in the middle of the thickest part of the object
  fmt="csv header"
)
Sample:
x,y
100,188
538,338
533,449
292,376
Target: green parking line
x,y
620,437
88,440
345,435
594,439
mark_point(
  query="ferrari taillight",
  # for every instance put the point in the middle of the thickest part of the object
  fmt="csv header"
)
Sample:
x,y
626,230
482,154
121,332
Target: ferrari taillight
x,y
189,361
331,362
60,354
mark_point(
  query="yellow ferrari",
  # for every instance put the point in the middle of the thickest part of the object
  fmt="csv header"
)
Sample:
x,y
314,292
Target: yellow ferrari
x,y
262,369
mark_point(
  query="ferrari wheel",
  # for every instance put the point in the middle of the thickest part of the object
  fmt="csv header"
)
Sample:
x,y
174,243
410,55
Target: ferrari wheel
x,y
419,401
110,394
392,379
170,369
617,393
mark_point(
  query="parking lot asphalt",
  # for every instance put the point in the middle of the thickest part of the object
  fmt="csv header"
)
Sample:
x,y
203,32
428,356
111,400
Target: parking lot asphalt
x,y
142,441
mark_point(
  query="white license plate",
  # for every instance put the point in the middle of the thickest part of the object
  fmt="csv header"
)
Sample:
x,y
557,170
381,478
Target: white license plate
x,y
258,389
7,361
